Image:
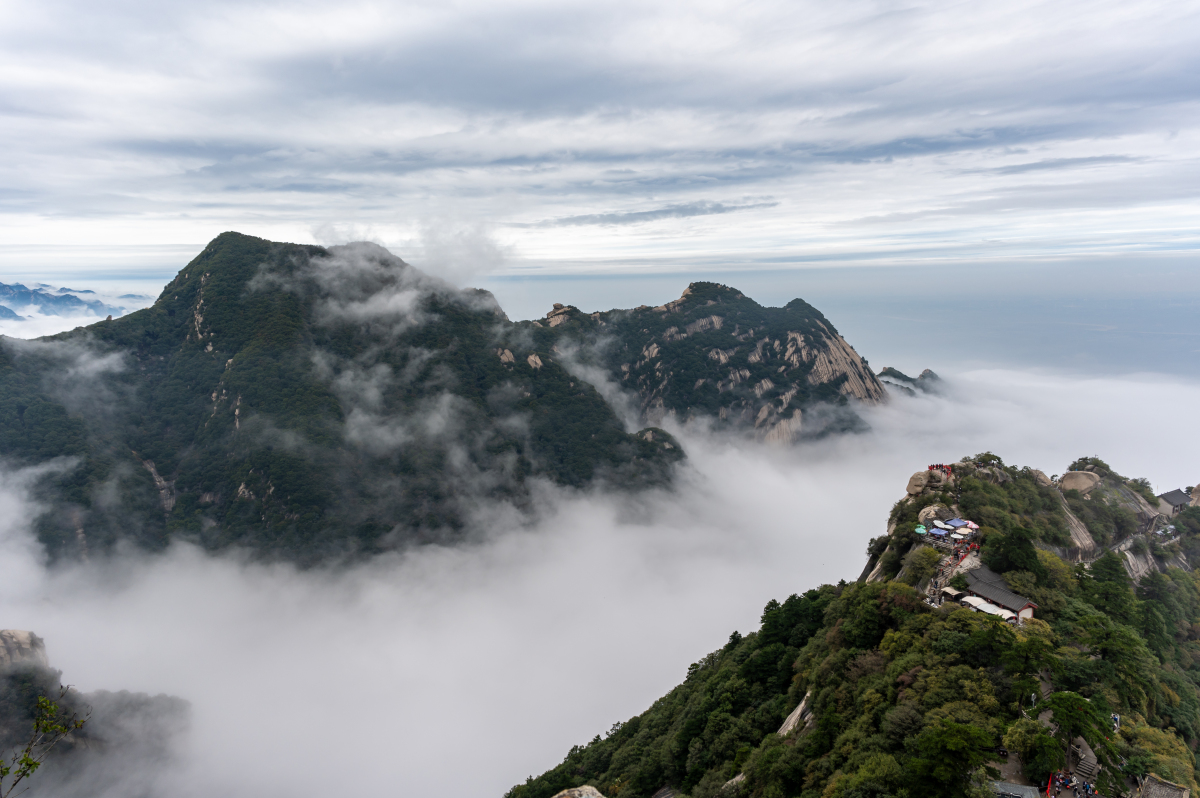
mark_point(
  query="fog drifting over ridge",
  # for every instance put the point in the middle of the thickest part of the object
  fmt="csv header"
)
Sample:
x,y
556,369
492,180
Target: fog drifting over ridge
x,y
460,671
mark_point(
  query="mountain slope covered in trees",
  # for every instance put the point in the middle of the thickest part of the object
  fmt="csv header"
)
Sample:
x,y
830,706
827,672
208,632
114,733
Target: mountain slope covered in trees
x,y
889,696
311,403
300,401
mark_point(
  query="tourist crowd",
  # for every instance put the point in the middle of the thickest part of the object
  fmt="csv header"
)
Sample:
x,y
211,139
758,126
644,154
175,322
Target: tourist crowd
x,y
1061,781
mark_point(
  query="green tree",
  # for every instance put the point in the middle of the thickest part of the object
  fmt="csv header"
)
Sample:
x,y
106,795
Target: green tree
x,y
50,726
945,755
1075,716
921,563
1032,650
1108,588
1120,646
1013,551
1040,753
1154,628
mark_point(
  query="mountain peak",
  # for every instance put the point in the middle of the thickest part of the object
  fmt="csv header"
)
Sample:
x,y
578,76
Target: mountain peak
x,y
313,402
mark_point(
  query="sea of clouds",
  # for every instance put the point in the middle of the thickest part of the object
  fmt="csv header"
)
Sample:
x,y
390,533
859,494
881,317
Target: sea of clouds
x,y
460,671
37,320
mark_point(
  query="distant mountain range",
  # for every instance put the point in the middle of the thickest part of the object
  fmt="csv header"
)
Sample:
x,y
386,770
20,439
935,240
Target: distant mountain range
x,y
63,302
310,403
926,381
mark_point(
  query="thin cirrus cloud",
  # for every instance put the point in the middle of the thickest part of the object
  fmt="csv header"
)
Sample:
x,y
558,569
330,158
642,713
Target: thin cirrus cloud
x,y
702,208
1061,163
567,126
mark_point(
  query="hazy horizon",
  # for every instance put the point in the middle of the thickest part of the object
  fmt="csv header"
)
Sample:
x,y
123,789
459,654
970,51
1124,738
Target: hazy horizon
x,y
1114,316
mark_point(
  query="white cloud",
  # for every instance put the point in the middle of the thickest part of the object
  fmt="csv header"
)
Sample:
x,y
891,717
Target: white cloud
x,y
862,130
459,671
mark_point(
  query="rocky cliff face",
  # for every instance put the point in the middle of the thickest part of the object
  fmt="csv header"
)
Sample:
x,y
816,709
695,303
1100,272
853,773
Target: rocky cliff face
x,y
1096,485
586,791
21,648
1080,536
1082,481
1139,564
780,372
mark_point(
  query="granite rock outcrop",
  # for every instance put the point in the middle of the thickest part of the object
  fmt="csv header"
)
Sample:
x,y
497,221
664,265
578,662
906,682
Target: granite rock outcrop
x,y
1082,481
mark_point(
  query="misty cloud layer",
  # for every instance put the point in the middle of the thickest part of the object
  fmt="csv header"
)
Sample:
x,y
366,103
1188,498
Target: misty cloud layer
x,y
461,671
35,320
844,133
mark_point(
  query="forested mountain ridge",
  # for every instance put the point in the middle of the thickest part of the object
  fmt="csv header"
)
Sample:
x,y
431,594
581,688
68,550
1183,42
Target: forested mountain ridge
x,y
304,402
310,403
867,690
717,353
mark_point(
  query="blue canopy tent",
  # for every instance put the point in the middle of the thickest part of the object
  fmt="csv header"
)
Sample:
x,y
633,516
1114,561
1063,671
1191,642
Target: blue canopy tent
x,y
956,523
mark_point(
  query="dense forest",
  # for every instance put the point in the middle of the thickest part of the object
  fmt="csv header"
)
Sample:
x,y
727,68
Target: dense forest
x,y
902,698
314,404
302,403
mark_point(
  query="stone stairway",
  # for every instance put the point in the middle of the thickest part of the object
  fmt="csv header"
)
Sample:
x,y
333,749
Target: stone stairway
x,y
1086,765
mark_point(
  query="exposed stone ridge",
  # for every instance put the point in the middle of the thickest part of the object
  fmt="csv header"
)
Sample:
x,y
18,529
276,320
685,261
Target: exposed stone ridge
x,y
165,488
836,358
801,713
1079,531
586,791
1082,481
716,352
18,647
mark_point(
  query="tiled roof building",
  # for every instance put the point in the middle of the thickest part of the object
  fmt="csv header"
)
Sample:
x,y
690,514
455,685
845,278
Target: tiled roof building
x,y
1156,787
990,586
1004,789
1175,499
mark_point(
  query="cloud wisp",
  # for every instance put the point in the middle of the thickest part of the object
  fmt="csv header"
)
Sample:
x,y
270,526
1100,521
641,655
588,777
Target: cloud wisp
x,y
459,671
567,127
699,208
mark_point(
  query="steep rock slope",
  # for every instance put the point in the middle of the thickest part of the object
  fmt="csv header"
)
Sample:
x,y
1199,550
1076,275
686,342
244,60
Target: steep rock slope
x,y
715,352
303,402
1112,506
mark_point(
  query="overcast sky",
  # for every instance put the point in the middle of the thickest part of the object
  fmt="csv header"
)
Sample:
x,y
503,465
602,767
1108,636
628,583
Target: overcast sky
x,y
616,137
